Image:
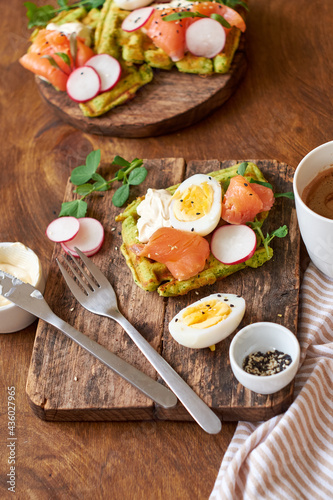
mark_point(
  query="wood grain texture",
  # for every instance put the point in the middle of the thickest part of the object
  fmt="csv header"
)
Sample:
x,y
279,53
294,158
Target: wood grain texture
x,y
67,383
172,101
282,109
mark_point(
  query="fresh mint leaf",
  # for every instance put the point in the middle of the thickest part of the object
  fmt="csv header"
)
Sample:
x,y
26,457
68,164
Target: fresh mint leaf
x,y
242,167
118,160
75,208
121,195
137,176
289,195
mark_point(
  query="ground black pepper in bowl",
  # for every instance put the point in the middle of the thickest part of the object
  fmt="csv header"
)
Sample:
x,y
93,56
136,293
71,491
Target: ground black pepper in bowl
x,y
264,364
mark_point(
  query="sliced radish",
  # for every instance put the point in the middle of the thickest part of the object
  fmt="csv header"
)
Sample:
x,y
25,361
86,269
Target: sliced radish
x,y
89,239
136,19
108,68
83,84
205,38
233,244
63,229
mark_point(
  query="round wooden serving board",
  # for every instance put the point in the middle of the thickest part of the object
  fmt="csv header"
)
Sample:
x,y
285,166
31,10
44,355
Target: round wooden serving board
x,y
172,101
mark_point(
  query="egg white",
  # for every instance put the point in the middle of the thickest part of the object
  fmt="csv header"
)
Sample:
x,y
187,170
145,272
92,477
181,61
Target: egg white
x,y
198,338
132,4
203,224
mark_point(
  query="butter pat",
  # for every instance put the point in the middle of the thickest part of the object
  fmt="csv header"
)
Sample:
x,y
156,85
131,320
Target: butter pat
x,y
22,263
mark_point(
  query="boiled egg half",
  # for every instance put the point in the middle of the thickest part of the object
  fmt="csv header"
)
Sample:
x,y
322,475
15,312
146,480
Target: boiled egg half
x,y
208,321
196,205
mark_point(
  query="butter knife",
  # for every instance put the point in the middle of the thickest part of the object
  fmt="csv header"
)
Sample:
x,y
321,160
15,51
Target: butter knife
x,y
30,299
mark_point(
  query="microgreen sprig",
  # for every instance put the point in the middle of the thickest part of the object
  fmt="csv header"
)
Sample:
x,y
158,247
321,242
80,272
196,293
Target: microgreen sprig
x,y
39,16
281,232
228,3
176,16
241,171
88,181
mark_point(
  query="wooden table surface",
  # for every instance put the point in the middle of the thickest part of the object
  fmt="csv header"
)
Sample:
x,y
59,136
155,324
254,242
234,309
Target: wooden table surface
x,y
282,110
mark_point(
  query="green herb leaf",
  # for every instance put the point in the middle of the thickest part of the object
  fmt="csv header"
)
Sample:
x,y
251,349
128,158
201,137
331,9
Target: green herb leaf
x,y
261,183
84,189
281,232
101,184
220,19
120,174
121,195
62,3
83,173
64,57
39,16
93,160
52,62
73,46
181,15
233,3
137,176
75,208
242,167
118,160
289,195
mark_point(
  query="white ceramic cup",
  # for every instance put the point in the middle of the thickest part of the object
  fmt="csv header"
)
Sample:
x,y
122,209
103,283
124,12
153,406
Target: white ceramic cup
x,y
316,231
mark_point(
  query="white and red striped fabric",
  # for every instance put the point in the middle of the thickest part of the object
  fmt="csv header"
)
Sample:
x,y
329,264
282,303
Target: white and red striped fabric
x,y
291,455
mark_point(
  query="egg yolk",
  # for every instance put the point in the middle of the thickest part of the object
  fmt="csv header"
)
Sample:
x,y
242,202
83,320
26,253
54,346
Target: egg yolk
x,y
193,203
206,314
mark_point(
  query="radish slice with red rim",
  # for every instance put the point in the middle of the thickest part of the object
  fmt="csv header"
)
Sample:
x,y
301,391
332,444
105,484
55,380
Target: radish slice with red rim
x,y
89,239
83,84
108,69
136,19
233,244
62,229
205,38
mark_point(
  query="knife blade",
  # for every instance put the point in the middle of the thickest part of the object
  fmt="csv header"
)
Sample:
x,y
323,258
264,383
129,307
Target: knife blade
x,y
32,300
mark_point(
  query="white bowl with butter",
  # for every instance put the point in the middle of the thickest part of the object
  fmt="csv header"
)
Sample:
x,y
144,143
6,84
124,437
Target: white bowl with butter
x,y
21,262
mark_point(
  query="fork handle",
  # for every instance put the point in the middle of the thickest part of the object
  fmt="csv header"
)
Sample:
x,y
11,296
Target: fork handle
x,y
151,388
201,413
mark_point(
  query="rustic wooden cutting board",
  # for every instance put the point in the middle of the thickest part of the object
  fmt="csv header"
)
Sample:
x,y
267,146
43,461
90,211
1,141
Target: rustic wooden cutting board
x,y
172,101
67,383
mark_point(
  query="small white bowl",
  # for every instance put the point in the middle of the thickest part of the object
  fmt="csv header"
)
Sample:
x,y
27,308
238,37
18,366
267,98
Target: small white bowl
x,y
264,337
12,317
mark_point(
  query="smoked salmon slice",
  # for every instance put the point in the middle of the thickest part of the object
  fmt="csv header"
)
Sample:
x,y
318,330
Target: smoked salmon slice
x,y
183,253
170,35
244,200
49,43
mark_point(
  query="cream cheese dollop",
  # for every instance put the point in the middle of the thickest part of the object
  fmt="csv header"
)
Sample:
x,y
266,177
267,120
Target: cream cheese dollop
x,y
80,29
154,213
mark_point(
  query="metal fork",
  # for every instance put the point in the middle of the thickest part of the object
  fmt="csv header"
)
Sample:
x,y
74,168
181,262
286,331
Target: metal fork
x,y
99,297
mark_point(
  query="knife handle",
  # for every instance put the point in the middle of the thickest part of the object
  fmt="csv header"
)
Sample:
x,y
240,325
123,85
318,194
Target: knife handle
x,y
151,388
201,413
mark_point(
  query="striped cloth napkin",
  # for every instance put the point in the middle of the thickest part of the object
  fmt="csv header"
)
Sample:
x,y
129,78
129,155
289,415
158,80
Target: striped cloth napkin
x,y
291,455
